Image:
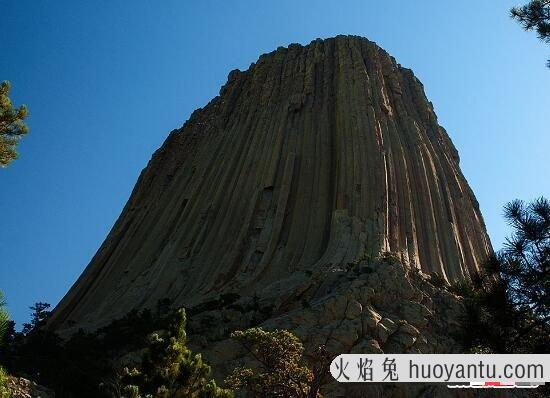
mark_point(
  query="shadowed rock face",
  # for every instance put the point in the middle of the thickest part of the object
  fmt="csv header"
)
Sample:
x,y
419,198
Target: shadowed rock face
x,y
315,157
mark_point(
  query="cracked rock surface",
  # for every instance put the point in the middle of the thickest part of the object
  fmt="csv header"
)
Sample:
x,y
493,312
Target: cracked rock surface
x,y
373,308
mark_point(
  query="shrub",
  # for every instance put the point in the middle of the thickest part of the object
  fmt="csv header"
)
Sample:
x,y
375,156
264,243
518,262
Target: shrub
x,y
280,371
437,280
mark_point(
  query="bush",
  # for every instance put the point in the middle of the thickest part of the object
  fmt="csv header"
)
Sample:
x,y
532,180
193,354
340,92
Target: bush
x,y
462,288
3,384
438,281
280,371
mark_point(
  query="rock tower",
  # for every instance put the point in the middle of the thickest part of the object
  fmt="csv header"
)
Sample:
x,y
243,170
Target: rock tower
x,y
315,159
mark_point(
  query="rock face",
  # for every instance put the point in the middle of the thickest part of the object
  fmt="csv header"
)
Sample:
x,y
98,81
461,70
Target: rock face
x,y
313,162
18,387
374,307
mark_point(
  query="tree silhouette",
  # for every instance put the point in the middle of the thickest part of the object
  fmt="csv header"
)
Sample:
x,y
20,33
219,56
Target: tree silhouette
x,y
39,316
511,310
535,16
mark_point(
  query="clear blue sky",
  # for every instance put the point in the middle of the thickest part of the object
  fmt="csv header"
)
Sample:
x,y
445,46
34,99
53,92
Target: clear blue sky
x,y
105,81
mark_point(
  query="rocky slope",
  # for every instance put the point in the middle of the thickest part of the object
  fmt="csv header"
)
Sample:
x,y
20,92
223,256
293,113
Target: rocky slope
x,y
375,306
19,387
315,158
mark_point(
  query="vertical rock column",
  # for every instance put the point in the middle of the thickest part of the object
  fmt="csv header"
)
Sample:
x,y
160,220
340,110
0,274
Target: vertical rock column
x,y
312,158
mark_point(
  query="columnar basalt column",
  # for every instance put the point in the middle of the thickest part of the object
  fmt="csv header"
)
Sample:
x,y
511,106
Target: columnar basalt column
x,y
312,158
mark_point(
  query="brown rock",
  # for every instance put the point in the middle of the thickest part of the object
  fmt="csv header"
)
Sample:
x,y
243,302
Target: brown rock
x,y
287,193
312,158
20,387
367,346
354,309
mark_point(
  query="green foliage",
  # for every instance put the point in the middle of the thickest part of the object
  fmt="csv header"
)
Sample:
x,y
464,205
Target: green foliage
x,y
365,256
534,16
4,318
280,371
4,393
224,300
462,288
524,264
75,367
170,369
12,127
81,365
389,257
362,264
510,311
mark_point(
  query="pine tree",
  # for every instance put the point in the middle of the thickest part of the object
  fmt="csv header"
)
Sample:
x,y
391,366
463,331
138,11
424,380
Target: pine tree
x,y
39,316
12,127
511,314
535,16
170,370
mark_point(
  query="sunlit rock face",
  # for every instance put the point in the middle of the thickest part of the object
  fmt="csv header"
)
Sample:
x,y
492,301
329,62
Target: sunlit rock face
x,y
316,158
